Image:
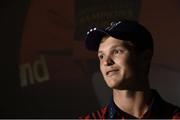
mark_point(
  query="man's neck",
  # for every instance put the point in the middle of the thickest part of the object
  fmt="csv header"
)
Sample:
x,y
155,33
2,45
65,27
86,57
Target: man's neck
x,y
134,103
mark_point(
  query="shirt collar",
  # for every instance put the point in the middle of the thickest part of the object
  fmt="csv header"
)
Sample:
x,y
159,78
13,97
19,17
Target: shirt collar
x,y
115,112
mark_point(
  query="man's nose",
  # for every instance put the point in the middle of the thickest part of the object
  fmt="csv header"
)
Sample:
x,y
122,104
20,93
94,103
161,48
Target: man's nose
x,y
108,61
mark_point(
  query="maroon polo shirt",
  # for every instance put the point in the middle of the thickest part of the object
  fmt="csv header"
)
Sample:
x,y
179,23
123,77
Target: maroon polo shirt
x,y
158,109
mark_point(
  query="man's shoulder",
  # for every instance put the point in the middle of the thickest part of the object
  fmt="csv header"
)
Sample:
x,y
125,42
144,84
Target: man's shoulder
x,y
99,114
175,110
165,108
176,113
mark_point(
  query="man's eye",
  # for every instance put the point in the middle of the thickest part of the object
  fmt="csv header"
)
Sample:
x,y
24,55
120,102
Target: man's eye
x,y
101,56
117,51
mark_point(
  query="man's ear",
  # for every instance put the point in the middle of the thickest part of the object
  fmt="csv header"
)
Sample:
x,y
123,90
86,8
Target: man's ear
x,y
145,60
146,56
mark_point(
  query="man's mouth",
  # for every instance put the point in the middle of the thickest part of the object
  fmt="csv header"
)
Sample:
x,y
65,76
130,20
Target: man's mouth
x,y
111,72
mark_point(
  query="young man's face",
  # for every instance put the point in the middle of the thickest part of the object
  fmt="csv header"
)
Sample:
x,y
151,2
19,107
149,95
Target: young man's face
x,y
116,63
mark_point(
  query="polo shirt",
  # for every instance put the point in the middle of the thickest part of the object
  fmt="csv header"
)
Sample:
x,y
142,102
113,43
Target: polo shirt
x,y
158,109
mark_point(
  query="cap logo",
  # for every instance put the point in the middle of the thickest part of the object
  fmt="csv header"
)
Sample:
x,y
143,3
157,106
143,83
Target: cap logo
x,y
112,25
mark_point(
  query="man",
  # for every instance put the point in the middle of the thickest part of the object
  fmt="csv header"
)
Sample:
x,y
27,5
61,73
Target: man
x,y
125,49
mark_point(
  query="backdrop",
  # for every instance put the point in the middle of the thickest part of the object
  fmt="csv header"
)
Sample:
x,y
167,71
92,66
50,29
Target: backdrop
x,y
47,72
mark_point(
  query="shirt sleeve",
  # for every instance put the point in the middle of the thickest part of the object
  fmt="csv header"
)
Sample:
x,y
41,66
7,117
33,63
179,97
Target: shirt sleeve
x,y
176,114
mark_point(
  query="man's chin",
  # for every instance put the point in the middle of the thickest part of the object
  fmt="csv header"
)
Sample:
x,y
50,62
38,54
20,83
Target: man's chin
x,y
118,86
113,86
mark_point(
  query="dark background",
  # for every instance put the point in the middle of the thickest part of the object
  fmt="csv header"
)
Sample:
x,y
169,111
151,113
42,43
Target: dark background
x,y
52,32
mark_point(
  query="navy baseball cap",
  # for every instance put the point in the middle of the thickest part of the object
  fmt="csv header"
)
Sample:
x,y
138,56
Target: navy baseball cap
x,y
124,30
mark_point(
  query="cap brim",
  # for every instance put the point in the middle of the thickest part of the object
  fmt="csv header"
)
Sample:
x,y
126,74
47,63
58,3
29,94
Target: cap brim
x,y
93,39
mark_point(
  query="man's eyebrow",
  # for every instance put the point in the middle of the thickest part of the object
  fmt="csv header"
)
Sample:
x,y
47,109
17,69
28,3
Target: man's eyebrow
x,y
114,46
100,52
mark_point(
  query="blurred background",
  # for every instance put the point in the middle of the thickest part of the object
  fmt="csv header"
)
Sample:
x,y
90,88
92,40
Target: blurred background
x,y
47,73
